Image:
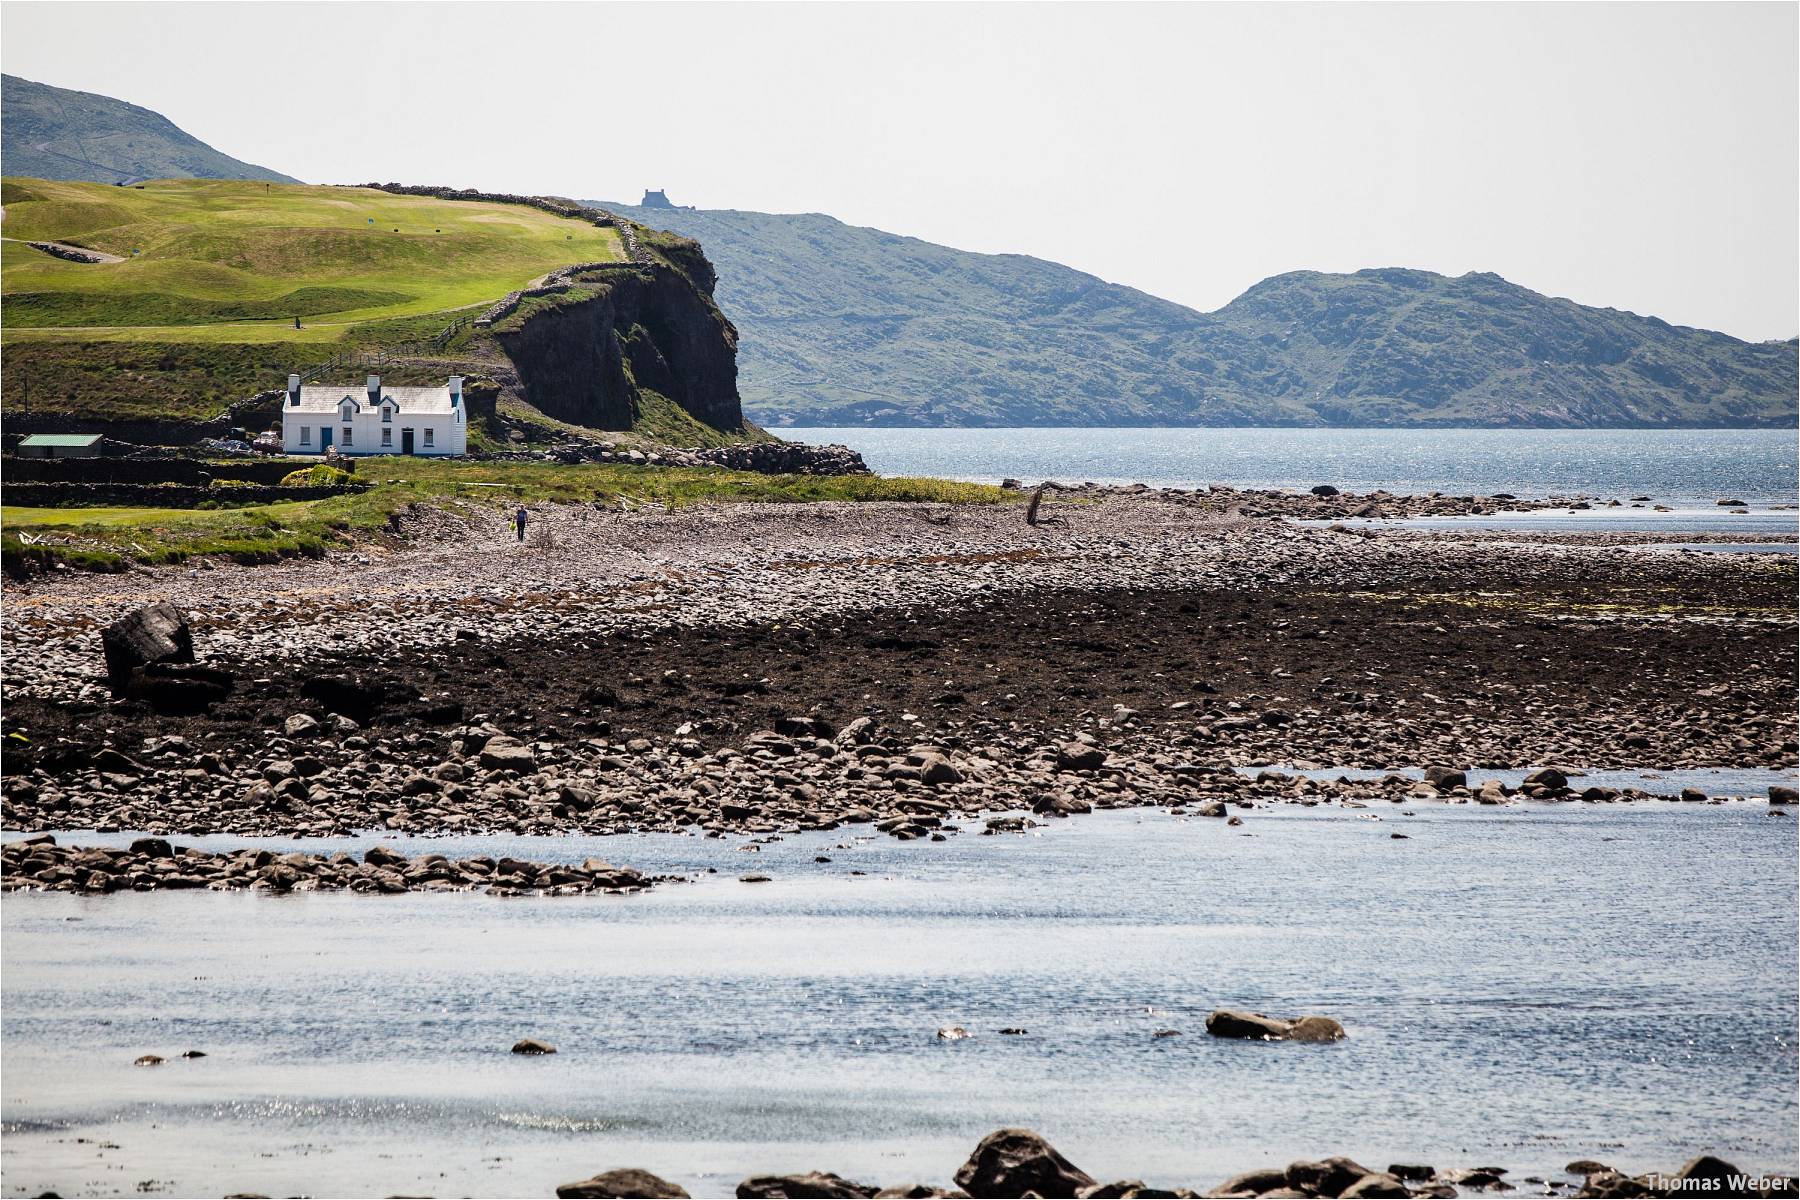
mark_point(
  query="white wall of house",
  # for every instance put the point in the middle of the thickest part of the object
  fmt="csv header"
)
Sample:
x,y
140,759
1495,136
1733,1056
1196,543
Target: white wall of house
x,y
373,419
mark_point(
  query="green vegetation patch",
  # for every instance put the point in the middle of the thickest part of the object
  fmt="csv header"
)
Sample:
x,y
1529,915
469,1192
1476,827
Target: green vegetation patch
x,y
322,475
106,538
199,254
61,309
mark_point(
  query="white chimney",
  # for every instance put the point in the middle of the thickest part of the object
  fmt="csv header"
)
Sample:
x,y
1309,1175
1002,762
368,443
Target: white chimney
x,y
294,390
456,391
374,389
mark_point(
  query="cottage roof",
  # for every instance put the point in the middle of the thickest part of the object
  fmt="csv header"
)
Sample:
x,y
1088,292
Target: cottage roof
x,y
60,439
415,401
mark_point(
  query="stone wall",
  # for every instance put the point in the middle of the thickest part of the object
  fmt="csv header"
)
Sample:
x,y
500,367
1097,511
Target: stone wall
x,y
145,469
161,495
69,253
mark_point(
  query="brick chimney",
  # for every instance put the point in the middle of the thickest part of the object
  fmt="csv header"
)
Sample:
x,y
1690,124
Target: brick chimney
x,y
374,389
294,391
456,391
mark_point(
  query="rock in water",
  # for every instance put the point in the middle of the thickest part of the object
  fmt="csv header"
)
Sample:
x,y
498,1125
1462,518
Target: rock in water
x,y
532,1046
1234,1023
1012,1162
1782,795
626,1182
1547,777
1445,778
156,633
1324,489
814,1184
1327,1177
1375,1183
1706,1175
1315,1029
1252,1182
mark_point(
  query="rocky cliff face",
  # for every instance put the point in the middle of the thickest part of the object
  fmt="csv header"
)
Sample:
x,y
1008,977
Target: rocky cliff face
x,y
589,355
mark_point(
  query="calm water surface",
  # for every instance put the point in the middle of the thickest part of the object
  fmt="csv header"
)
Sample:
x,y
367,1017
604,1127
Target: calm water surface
x,y
1522,987
1688,466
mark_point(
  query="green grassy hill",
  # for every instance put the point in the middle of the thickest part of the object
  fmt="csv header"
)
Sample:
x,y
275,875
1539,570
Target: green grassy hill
x,y
54,133
210,261
846,326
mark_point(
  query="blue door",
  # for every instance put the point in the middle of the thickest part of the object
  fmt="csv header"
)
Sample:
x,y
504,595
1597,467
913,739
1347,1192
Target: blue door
x,y
325,432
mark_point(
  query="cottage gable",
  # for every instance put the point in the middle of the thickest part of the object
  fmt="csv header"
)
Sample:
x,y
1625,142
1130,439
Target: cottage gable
x,y
377,420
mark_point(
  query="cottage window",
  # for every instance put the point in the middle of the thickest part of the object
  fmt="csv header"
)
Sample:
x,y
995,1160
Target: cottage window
x,y
387,437
428,434
349,436
387,415
306,435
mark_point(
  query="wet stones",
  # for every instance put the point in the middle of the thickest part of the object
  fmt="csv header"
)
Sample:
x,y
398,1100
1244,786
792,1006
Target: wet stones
x,y
1080,756
532,1046
1017,1162
625,1182
814,1185
1234,1023
153,864
509,755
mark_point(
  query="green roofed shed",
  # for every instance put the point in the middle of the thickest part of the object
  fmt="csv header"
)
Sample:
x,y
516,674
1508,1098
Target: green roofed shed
x,y
60,445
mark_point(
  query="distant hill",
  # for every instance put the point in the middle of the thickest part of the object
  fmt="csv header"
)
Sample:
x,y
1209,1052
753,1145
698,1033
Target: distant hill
x,y
53,133
842,325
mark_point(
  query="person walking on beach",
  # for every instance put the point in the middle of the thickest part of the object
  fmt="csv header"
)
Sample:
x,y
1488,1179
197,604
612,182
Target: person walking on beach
x,y
519,522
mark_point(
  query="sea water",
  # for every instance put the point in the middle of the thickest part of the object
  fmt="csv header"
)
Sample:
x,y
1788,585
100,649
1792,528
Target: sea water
x,y
1522,987
1680,468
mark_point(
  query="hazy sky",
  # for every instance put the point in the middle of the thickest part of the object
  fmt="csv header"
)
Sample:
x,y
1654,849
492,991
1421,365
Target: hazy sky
x,y
1638,156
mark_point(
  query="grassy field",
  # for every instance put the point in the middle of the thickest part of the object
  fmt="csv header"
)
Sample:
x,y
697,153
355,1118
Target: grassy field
x,y
114,538
235,262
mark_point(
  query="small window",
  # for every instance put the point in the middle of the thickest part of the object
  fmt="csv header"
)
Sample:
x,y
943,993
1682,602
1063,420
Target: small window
x,y
349,436
306,435
428,434
387,437
387,415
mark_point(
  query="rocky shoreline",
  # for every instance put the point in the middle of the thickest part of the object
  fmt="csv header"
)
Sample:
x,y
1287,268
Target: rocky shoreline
x,y
39,863
898,671
1021,1163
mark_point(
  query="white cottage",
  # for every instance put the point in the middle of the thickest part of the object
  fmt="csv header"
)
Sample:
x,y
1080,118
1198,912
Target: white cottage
x,y
374,419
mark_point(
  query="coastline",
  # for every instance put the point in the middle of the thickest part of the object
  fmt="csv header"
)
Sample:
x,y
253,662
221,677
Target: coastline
x,y
937,681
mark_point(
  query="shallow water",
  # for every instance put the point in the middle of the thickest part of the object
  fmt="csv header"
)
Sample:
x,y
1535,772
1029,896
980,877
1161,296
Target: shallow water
x,y
1522,987
1675,467
1764,522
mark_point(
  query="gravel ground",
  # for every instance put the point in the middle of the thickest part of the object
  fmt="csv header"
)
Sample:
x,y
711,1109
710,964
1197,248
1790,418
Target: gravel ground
x,y
763,667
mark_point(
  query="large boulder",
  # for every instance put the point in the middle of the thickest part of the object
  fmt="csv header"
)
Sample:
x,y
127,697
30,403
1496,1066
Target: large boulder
x,y
1547,777
814,1185
626,1182
509,754
156,633
1375,1183
1234,1023
1327,1177
1080,756
1707,1175
1253,1182
1014,1162
1316,1029
1782,795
